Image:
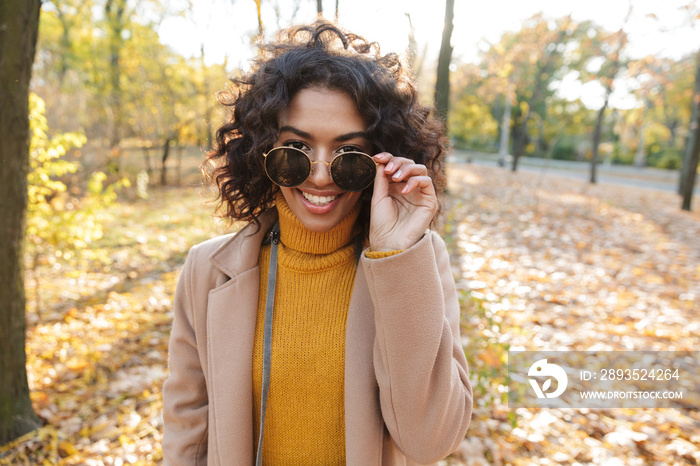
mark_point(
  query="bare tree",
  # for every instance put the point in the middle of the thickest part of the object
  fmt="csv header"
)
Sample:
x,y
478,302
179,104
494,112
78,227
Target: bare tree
x,y
412,44
261,29
282,19
616,43
442,85
415,60
692,144
692,133
504,143
116,16
19,20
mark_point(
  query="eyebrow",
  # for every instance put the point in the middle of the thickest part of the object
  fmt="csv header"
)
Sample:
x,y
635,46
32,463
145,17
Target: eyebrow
x,y
341,138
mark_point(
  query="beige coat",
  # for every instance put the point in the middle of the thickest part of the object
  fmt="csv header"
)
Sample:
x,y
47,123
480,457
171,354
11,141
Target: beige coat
x,y
407,394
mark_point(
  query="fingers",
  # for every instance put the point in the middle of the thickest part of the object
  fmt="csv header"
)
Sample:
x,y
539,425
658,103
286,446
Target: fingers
x,y
381,184
400,168
423,183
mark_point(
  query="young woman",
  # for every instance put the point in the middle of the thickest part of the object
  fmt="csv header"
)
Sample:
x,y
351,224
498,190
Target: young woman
x,y
326,331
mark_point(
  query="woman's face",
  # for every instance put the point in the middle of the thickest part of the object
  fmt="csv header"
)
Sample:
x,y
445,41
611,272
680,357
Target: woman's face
x,y
323,123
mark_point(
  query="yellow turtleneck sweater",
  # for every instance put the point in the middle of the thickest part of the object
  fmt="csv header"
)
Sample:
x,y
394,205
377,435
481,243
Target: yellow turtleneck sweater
x,y
305,418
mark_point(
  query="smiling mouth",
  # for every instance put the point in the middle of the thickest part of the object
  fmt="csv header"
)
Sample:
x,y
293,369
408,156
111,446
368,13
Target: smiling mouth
x,y
319,200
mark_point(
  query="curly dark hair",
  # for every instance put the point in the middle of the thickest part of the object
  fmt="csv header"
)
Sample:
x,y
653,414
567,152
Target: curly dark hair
x,y
316,55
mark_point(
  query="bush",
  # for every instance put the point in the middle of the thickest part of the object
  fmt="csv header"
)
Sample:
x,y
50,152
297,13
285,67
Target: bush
x,y
564,149
669,159
61,223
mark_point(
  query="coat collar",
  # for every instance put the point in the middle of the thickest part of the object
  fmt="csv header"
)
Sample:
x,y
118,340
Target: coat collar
x,y
240,252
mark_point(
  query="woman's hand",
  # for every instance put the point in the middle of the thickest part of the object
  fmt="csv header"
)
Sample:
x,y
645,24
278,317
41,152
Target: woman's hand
x,y
404,203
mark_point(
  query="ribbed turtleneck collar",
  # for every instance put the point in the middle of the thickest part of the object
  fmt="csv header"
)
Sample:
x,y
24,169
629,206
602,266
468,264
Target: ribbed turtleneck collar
x,y
295,236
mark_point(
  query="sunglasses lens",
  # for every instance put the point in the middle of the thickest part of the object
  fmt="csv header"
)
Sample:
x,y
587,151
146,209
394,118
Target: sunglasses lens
x,y
287,166
353,171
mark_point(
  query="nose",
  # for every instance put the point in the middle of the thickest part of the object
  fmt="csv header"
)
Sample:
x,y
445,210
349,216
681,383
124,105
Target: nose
x,y
320,173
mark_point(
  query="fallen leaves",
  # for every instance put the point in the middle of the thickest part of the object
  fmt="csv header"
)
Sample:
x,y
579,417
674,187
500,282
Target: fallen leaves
x,y
541,262
98,357
550,263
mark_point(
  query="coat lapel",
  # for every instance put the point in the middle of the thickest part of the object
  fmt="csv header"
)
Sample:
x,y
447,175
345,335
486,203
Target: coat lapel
x,y
363,421
232,312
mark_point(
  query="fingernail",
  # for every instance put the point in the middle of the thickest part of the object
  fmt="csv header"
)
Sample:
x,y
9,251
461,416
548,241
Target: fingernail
x,y
389,166
397,174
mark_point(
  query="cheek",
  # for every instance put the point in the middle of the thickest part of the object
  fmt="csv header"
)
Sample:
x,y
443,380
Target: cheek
x,y
353,198
288,194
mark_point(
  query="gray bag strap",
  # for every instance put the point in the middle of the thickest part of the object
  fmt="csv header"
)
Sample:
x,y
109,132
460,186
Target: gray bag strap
x,y
267,332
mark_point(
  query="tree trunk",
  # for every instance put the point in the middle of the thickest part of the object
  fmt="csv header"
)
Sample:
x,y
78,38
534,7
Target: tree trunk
x,y
147,160
541,142
442,84
693,127
19,20
261,29
505,132
204,91
694,142
412,46
610,78
692,173
520,140
415,60
640,157
597,135
66,44
163,168
179,163
114,12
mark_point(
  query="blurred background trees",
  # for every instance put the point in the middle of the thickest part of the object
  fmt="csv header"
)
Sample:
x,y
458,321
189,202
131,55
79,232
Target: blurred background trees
x,y
514,100
103,69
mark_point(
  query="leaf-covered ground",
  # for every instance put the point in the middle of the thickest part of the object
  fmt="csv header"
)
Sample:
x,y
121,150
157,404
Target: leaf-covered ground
x,y
543,263
97,350
557,264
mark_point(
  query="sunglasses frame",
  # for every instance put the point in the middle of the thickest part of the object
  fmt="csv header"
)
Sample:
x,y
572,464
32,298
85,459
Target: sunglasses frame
x,y
329,166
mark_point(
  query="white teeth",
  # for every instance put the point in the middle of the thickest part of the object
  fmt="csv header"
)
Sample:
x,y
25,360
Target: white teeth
x,y
318,200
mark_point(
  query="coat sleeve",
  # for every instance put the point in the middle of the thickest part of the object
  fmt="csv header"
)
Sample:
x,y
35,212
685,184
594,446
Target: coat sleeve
x,y
421,370
185,401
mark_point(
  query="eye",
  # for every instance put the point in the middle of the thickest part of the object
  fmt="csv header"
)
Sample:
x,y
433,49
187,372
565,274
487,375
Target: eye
x,y
298,145
349,149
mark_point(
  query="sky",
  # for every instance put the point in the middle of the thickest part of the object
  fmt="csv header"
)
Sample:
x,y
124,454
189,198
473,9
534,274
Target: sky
x,y
656,27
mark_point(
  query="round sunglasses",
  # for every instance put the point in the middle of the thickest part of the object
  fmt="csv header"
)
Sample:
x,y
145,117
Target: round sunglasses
x,y
289,167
